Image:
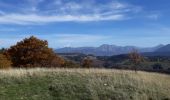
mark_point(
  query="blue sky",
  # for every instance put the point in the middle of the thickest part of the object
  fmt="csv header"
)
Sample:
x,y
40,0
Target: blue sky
x,y
79,23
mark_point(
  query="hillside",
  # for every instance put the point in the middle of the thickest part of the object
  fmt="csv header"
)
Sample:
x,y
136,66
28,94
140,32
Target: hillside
x,y
165,48
161,51
82,84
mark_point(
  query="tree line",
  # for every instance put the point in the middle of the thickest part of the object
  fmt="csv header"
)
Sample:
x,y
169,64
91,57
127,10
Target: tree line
x,y
33,52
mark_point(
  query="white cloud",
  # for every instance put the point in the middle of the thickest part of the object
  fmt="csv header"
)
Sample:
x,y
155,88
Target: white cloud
x,y
74,40
153,16
118,5
41,12
59,40
3,29
38,19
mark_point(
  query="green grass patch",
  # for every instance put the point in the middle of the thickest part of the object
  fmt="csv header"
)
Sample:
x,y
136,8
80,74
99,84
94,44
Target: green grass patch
x,y
82,84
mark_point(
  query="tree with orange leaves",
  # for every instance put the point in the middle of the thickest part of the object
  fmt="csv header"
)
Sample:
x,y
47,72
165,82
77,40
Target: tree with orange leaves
x,y
33,52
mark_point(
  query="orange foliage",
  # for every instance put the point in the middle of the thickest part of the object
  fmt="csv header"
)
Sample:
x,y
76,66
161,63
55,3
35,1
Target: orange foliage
x,y
4,62
33,52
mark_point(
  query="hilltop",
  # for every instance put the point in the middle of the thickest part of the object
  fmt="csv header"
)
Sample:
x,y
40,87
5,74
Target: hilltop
x,y
82,84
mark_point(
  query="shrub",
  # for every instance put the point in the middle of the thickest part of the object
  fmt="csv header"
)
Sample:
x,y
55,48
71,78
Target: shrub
x,y
71,64
157,66
87,62
4,62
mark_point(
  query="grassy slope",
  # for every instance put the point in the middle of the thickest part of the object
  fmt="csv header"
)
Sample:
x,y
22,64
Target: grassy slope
x,y
82,84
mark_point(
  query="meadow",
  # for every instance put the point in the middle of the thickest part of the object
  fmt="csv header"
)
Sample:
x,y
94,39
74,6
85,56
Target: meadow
x,y
82,84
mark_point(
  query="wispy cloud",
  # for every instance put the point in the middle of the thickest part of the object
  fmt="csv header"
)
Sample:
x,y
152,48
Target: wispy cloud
x,y
75,40
153,16
42,11
3,29
38,19
59,40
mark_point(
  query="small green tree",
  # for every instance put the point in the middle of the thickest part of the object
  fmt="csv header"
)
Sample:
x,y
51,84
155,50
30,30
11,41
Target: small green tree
x,y
135,58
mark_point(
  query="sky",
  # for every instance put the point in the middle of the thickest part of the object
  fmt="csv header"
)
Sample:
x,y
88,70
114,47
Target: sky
x,y
78,23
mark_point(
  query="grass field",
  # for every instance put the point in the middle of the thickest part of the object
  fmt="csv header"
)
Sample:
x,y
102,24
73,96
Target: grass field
x,y
82,84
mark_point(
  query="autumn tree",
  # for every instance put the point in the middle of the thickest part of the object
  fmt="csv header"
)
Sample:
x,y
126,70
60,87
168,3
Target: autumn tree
x,y
135,58
87,62
33,52
4,62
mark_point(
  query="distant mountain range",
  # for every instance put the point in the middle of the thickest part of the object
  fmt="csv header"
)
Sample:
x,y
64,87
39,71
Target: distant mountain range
x,y
110,50
165,48
162,51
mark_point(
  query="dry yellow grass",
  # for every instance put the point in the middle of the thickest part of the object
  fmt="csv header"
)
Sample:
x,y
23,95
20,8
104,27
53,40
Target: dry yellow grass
x,y
95,84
